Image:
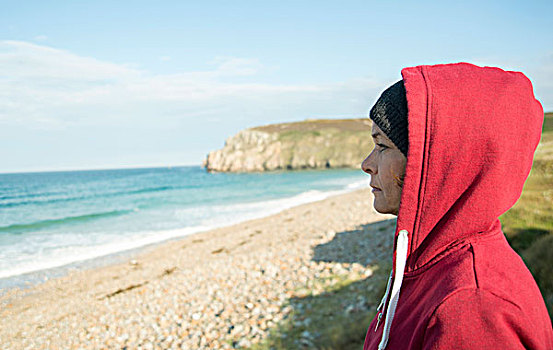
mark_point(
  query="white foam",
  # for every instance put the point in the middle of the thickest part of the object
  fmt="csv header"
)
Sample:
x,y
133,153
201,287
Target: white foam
x,y
68,255
359,184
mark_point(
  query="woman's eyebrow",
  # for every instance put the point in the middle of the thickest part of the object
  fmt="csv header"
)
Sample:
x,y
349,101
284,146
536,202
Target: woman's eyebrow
x,y
376,134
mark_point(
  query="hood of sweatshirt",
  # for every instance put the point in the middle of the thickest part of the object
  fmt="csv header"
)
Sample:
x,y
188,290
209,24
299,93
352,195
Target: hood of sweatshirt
x,y
473,132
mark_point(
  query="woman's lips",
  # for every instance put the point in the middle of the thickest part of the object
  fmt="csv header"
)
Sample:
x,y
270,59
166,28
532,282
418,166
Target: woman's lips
x,y
376,189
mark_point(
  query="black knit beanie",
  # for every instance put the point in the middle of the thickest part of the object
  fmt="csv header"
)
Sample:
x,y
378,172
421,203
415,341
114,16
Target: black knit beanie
x,y
390,115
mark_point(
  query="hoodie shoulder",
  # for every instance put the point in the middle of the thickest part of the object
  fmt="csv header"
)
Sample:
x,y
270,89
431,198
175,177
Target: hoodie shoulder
x,y
502,309
474,318
500,270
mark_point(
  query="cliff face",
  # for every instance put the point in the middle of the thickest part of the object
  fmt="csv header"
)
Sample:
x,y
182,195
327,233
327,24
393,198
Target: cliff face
x,y
302,145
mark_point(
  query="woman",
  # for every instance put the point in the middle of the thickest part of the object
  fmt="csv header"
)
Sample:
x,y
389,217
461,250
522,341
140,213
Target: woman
x,y
454,146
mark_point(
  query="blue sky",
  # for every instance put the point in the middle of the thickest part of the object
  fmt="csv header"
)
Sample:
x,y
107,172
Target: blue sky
x,y
109,84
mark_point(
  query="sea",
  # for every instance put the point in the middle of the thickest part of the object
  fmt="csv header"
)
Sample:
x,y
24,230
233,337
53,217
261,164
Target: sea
x,y
52,220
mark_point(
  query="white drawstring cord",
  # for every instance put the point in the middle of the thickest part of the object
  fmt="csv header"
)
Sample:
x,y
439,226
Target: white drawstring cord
x,y
401,259
385,296
383,301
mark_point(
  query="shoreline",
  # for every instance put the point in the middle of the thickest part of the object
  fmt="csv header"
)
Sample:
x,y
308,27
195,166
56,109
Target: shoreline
x,y
182,266
30,279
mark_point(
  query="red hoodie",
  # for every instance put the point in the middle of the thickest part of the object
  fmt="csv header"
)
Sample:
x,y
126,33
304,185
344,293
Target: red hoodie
x,y
456,283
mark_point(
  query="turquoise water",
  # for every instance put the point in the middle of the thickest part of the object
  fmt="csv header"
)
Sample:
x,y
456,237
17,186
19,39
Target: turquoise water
x,y
52,219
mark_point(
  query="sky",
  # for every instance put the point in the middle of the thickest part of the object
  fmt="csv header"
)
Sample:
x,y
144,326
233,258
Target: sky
x,y
115,84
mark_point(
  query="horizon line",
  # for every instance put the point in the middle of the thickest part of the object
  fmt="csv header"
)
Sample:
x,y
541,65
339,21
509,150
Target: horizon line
x,y
97,169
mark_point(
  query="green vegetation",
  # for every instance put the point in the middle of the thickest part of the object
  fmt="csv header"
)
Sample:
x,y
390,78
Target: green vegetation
x,y
528,225
352,125
548,122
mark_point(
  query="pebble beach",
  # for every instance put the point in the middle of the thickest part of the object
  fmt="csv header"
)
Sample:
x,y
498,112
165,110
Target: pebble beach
x,y
223,289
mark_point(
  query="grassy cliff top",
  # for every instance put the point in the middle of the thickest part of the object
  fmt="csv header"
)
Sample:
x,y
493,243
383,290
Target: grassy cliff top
x,y
309,125
359,124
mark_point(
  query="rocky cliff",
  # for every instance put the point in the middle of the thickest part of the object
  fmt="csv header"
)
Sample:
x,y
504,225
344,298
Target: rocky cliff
x,y
327,143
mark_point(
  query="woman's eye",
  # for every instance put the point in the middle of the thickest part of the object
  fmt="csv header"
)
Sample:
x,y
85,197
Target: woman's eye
x,y
381,145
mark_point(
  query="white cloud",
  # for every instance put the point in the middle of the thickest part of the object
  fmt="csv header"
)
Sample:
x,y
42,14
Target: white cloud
x,y
44,87
23,60
231,66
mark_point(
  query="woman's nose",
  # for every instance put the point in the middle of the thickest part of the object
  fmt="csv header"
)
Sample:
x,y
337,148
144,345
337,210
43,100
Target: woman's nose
x,y
368,164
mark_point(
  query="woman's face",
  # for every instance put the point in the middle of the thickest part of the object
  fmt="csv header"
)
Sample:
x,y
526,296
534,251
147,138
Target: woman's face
x,y
386,165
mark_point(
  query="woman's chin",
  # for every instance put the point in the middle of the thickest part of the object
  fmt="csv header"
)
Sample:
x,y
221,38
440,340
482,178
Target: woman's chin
x,y
384,210
380,210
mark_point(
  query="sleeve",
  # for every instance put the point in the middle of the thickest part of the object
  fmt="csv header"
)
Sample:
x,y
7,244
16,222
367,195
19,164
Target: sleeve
x,y
478,319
